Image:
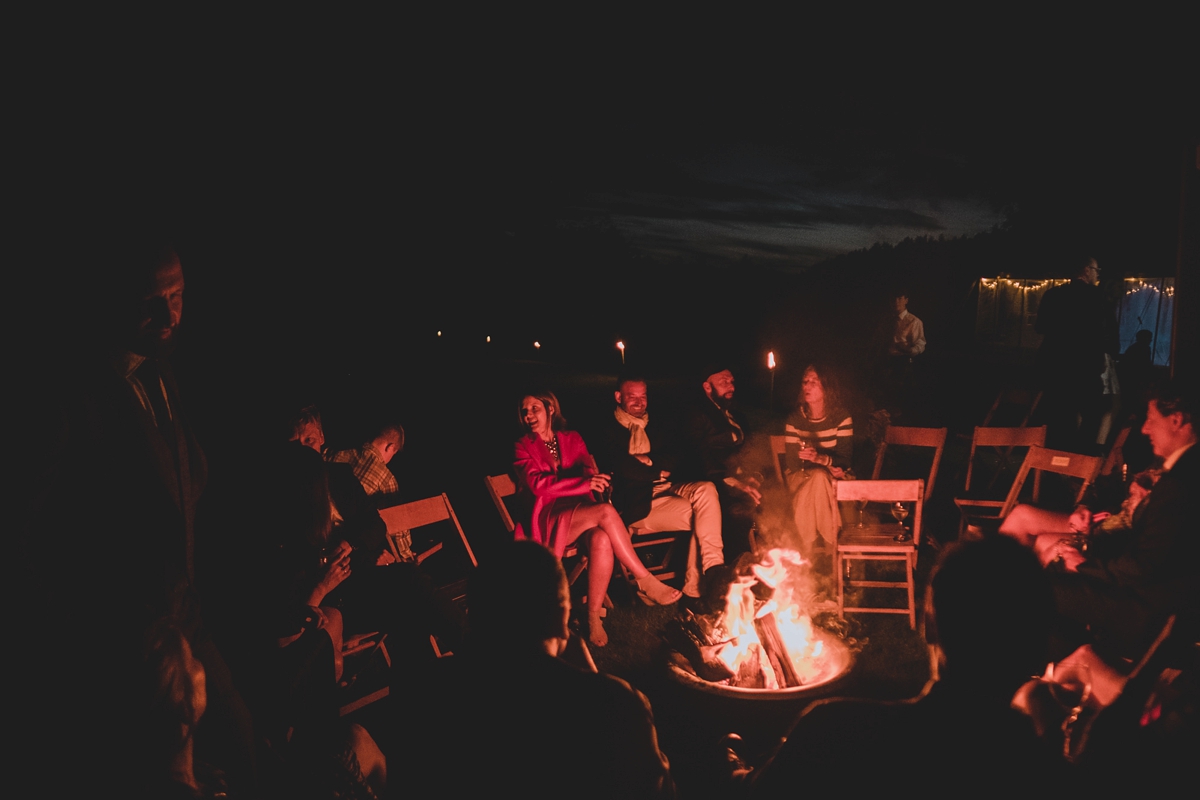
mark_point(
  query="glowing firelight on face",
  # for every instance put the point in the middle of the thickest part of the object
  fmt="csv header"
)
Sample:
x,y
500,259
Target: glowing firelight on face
x,y
771,360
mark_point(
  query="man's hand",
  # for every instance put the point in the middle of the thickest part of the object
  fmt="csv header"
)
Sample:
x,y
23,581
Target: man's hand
x,y
645,459
384,559
599,483
664,474
745,488
1063,551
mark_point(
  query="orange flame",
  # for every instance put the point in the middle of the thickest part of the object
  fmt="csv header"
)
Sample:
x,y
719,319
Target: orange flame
x,y
778,570
771,360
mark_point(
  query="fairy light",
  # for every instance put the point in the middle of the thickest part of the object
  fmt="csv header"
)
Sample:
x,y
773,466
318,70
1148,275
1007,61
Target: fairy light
x,y
1141,286
1022,285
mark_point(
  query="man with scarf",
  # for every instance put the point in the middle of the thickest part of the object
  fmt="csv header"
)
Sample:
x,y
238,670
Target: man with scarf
x,y
643,491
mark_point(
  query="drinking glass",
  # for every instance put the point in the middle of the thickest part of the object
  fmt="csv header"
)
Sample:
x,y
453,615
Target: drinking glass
x,y
1071,687
900,513
862,506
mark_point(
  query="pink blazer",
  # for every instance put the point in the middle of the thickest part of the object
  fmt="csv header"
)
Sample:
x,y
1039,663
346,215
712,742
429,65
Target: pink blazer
x,y
552,486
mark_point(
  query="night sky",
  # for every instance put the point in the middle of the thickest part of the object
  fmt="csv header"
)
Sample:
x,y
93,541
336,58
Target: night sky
x,y
321,173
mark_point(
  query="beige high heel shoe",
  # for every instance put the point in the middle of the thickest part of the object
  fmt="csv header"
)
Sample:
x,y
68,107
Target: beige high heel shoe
x,y
652,592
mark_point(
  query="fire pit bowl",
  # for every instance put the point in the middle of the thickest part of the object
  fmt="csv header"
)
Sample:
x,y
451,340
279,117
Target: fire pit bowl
x,y
836,662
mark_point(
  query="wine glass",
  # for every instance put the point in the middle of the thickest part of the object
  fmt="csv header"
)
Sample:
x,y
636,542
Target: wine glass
x,y
1071,687
900,513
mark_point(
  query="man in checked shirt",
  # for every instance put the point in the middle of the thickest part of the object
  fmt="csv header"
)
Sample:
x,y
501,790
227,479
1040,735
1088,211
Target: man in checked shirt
x,y
369,463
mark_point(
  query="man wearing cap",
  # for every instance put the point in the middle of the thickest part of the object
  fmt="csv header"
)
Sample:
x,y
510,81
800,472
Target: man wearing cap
x,y
644,493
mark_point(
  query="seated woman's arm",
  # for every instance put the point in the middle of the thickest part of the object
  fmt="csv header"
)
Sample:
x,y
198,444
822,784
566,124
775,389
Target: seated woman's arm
x,y
546,483
841,455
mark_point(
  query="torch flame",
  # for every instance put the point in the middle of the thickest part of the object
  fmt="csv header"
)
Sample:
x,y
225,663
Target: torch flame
x,y
771,360
620,345
537,345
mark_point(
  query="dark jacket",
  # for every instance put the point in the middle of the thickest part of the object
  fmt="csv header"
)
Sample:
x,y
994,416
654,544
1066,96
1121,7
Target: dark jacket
x,y
1079,327
633,481
1126,598
714,442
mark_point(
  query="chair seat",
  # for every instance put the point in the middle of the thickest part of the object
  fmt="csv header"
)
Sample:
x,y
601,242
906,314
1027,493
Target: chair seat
x,y
876,537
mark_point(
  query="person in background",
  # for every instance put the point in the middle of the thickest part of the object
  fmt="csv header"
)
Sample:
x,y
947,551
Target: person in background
x,y
557,477
905,343
1079,328
644,489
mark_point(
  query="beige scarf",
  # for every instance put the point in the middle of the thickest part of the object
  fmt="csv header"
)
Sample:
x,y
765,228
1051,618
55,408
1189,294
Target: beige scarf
x,y
639,442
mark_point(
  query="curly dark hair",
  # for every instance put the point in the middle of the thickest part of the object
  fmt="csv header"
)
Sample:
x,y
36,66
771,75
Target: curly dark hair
x,y
830,382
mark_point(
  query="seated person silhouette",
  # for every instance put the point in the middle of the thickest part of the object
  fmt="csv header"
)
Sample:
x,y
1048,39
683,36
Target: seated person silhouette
x,y
987,621
509,712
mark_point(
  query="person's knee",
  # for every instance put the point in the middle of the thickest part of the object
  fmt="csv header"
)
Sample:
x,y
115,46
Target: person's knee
x,y
609,516
705,494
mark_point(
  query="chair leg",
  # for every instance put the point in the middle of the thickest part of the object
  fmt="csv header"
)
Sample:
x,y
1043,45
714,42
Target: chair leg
x,y
912,601
841,581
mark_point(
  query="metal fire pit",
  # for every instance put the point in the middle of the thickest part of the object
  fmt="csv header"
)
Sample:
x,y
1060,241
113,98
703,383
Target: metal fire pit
x,y
836,662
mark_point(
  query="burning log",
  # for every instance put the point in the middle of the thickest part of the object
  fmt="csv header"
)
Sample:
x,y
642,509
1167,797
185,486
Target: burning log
x,y
772,645
686,636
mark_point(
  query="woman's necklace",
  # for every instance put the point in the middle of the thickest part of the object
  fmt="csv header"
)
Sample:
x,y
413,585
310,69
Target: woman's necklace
x,y
552,446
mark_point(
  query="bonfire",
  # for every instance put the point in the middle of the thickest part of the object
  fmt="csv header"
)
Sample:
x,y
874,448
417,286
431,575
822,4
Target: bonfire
x,y
764,637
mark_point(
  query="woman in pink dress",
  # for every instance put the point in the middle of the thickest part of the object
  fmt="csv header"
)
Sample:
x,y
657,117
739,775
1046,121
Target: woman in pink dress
x,y
554,467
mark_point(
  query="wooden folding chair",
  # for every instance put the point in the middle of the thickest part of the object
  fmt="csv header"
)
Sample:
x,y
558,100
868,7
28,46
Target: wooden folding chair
x,y
878,543
406,517
1041,459
973,504
778,445
913,437
502,486
1024,399
1116,453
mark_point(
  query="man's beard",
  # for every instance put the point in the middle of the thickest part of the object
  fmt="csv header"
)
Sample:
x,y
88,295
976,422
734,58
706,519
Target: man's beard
x,y
721,401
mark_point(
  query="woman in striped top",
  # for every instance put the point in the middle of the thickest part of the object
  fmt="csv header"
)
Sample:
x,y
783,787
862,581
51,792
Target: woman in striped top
x,y
820,440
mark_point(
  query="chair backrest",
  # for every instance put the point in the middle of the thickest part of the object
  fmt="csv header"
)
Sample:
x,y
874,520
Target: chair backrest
x,y
778,443
913,437
1002,437
1116,453
1025,399
500,487
1042,459
888,492
419,513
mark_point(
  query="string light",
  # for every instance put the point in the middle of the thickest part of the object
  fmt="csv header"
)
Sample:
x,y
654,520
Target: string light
x,y
1023,285
1142,286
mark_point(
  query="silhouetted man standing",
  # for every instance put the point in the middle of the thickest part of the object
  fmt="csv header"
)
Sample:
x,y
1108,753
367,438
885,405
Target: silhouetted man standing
x,y
1078,327
115,516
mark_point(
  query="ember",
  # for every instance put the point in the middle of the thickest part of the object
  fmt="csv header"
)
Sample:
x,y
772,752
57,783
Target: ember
x,y
764,639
